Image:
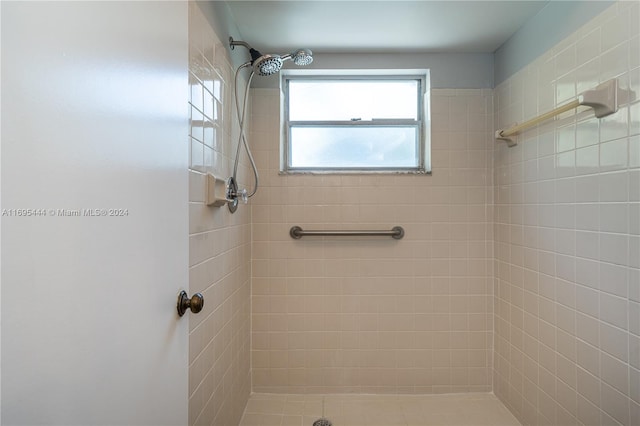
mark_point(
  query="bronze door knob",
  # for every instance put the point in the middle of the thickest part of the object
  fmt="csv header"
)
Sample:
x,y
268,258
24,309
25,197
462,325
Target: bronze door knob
x,y
196,303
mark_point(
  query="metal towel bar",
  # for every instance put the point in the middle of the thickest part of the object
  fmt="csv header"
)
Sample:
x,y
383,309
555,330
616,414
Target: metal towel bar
x,y
397,232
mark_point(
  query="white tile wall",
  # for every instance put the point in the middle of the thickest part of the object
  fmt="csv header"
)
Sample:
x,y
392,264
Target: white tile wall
x,y
418,315
376,315
219,249
567,215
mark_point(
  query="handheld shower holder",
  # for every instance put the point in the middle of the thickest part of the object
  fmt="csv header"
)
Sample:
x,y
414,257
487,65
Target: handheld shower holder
x,y
234,195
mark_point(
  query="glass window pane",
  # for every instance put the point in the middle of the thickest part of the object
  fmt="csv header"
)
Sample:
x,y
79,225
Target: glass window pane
x,y
346,99
354,147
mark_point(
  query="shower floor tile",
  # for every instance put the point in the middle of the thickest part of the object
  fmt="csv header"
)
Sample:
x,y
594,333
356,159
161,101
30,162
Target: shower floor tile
x,y
470,409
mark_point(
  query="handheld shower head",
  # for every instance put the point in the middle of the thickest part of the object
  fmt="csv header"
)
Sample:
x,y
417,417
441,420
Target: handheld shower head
x,y
267,64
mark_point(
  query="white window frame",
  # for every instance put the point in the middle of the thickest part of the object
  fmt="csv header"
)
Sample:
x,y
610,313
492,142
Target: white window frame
x,y
423,122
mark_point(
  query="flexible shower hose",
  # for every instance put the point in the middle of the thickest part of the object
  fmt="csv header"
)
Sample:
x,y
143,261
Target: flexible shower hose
x,y
241,138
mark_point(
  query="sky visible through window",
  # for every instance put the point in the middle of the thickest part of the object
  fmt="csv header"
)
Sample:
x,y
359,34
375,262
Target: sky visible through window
x,y
373,143
360,147
345,99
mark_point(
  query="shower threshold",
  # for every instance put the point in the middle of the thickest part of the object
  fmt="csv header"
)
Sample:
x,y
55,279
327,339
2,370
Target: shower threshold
x,y
471,409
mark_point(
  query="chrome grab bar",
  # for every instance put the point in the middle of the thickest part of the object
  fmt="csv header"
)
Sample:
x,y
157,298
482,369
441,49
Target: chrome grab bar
x,y
397,232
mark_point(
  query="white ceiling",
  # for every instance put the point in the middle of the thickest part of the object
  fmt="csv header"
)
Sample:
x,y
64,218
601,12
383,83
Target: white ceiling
x,y
381,26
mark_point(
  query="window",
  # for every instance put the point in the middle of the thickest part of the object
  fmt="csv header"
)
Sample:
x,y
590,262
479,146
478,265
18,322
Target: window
x,y
367,121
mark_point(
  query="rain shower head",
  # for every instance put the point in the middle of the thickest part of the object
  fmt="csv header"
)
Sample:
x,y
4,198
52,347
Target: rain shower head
x,y
302,57
270,64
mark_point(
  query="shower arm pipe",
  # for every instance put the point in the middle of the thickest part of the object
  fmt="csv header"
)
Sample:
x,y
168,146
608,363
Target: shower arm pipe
x,y
397,232
603,99
233,43
287,57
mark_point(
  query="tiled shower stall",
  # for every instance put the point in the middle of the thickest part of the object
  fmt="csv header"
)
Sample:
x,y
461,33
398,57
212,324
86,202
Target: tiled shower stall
x,y
519,273
382,315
